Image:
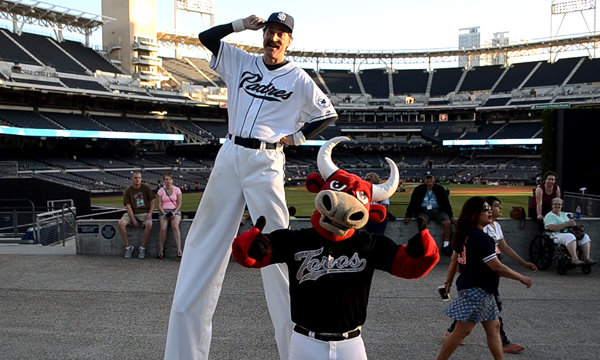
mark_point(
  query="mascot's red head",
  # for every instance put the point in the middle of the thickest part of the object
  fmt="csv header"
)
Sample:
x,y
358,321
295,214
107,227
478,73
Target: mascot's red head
x,y
343,200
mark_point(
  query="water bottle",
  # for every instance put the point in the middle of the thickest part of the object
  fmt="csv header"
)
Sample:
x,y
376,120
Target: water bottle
x,y
578,213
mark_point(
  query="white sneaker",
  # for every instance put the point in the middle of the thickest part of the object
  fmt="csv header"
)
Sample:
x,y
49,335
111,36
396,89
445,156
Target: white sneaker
x,y
142,254
128,252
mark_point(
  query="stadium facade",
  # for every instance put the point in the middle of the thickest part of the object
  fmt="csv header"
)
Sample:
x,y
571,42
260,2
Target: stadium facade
x,y
88,118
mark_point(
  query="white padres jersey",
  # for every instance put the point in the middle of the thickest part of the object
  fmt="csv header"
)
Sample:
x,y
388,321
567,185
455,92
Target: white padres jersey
x,y
268,105
494,230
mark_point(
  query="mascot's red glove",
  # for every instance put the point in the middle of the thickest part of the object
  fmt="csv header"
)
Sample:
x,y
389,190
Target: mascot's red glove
x,y
252,248
419,256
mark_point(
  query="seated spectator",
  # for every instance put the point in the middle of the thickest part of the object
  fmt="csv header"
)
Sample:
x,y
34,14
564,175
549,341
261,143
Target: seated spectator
x,y
139,202
559,223
429,200
169,206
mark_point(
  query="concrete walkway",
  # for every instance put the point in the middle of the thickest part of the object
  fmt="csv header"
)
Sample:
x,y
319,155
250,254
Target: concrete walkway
x,y
57,305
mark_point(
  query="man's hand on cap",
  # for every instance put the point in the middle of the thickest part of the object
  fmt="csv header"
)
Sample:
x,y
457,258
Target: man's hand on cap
x,y
254,22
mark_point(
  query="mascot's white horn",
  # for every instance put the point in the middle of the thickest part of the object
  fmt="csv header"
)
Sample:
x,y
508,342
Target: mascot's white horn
x,y
324,162
387,189
327,168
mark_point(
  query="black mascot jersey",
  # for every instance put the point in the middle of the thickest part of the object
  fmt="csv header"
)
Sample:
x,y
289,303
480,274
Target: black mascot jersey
x,y
338,272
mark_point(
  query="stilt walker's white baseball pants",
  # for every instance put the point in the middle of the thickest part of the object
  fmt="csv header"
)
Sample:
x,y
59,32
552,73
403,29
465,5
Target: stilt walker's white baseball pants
x,y
306,348
240,176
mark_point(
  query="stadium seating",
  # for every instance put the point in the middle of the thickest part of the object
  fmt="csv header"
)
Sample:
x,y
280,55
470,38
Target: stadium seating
x,y
37,82
514,76
313,75
27,119
552,74
587,73
481,78
183,71
445,81
83,84
75,121
518,131
88,57
150,125
340,81
407,82
483,133
499,101
46,50
13,52
204,67
119,123
375,82
217,129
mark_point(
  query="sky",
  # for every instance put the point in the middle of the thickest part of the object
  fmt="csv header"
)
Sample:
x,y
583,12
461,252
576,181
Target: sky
x,y
377,24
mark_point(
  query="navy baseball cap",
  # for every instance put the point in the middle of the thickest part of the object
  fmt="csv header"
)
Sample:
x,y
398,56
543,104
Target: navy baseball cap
x,y
283,19
429,174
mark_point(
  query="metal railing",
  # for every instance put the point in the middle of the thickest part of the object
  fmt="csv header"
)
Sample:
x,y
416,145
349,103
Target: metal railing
x,y
54,226
589,204
16,217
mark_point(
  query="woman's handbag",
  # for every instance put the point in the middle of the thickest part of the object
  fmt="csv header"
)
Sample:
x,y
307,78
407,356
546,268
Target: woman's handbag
x,y
578,231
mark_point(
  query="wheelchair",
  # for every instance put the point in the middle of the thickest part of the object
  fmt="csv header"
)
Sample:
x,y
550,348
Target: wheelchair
x,y
543,250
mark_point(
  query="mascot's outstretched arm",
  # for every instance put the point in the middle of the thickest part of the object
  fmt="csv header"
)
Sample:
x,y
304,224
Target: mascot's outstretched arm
x,y
419,256
252,248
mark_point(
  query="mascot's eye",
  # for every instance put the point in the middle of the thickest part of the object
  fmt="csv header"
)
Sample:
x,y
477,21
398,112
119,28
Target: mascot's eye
x,y
337,186
362,197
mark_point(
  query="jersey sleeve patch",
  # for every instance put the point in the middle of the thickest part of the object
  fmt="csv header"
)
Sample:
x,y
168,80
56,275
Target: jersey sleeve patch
x,y
323,102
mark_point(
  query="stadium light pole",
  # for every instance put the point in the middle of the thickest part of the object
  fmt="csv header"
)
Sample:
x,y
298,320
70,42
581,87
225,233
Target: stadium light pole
x,y
564,7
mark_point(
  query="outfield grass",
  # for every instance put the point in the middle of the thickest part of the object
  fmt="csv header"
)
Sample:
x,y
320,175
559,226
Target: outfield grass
x,y
304,201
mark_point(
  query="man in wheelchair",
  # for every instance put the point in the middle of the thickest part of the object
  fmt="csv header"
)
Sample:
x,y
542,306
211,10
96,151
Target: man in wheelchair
x,y
559,223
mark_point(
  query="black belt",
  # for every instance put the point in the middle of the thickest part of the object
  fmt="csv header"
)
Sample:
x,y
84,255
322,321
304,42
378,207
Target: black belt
x,y
327,336
251,143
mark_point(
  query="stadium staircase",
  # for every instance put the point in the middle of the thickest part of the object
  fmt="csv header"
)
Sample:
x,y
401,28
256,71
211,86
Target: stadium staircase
x,y
189,62
189,138
460,81
322,82
575,68
499,79
429,82
529,76
391,81
360,84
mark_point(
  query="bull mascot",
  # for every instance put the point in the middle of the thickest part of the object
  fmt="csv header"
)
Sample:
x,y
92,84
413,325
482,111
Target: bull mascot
x,y
331,264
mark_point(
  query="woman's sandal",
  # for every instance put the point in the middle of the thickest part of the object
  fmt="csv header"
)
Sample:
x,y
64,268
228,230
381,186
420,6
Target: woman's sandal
x,y
161,255
513,348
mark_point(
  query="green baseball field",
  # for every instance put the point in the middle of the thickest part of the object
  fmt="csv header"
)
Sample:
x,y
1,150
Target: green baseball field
x,y
304,201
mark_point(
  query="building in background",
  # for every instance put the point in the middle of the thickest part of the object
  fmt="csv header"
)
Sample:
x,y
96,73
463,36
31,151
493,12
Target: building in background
x,y
469,38
499,41
131,38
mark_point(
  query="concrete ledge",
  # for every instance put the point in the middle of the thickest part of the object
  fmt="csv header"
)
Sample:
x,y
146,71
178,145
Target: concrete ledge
x,y
101,237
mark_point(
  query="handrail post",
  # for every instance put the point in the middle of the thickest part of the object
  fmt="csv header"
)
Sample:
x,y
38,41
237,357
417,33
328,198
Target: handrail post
x,y
15,223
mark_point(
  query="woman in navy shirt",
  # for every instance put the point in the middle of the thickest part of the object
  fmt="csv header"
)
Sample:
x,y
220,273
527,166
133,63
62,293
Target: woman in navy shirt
x,y
480,272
